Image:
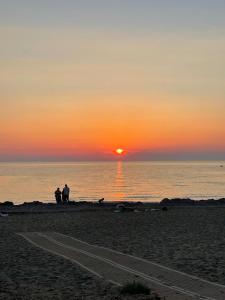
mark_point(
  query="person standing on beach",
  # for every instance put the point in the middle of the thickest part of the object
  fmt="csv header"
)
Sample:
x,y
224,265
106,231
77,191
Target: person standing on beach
x,y
58,194
65,194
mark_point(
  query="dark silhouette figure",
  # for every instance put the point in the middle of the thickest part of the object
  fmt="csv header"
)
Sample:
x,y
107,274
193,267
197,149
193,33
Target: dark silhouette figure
x,y
100,201
58,197
65,194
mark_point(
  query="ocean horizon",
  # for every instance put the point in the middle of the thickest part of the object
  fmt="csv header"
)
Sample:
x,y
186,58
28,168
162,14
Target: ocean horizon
x,y
145,181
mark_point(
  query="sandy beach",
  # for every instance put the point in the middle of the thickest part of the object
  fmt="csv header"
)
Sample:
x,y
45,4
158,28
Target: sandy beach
x,y
189,239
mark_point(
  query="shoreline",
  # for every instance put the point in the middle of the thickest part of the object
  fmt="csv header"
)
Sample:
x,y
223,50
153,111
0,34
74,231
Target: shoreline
x,y
75,206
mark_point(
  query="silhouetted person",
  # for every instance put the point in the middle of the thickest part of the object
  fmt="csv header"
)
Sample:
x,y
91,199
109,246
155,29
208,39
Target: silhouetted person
x,y
65,194
58,195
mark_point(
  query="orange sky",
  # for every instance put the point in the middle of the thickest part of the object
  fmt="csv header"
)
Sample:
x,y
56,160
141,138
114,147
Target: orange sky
x,y
101,123
127,78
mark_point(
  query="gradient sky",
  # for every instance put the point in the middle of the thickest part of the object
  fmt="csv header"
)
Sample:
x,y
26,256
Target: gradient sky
x,y
81,78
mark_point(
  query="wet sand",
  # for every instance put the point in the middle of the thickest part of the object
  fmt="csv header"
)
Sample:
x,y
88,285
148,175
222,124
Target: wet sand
x,y
187,239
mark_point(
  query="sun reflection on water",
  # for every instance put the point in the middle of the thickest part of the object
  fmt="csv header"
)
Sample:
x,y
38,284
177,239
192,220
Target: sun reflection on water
x,y
119,184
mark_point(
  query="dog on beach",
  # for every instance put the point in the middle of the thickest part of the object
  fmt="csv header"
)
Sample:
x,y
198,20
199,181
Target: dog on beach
x,y
101,200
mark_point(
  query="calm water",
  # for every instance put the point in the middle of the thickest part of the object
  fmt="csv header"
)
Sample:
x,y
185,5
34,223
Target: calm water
x,y
132,181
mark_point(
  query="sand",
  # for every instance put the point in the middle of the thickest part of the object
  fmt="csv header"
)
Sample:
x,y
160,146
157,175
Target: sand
x,y
187,239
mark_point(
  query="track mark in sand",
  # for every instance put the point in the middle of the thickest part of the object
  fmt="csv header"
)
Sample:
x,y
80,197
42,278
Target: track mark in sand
x,y
56,253
127,269
146,261
118,268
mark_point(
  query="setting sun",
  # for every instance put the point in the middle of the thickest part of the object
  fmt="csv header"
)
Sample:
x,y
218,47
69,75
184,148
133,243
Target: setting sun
x,y
119,151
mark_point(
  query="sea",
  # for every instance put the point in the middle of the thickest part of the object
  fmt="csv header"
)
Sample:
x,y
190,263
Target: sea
x,y
145,181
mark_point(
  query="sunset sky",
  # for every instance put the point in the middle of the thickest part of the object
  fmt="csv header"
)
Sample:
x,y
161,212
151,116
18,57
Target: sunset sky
x,y
81,78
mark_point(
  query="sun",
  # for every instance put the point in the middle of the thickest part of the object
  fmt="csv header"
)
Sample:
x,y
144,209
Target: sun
x,y
119,151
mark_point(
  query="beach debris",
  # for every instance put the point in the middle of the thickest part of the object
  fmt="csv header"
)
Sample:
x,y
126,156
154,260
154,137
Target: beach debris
x,y
4,215
122,208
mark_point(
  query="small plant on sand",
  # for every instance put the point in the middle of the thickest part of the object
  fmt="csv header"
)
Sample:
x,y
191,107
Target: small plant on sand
x,y
135,288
